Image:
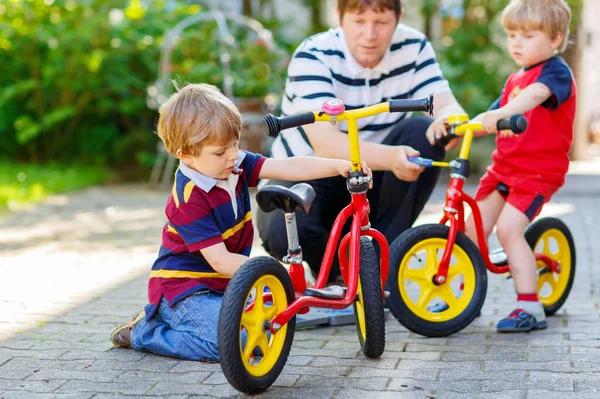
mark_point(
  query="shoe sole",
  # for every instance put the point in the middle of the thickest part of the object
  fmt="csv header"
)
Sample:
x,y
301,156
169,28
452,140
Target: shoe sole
x,y
538,326
136,319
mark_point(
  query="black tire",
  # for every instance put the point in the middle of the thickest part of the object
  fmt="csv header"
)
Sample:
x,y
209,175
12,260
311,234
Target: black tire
x,y
559,232
370,319
417,317
235,301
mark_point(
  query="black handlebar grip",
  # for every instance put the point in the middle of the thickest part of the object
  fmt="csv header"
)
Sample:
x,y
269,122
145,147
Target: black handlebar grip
x,y
276,125
517,124
421,104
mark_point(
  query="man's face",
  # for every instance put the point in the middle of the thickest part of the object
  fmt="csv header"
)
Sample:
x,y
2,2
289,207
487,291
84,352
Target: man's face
x,y
368,34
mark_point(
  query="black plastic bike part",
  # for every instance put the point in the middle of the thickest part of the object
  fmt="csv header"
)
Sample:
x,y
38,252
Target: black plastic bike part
x,y
300,196
275,125
420,104
361,188
444,140
517,124
462,167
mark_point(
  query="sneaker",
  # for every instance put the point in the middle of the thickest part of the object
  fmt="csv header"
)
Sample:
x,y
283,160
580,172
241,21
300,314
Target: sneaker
x,y
520,321
121,336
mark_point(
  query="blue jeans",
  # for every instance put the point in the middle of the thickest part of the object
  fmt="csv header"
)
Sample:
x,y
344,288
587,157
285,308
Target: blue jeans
x,y
188,330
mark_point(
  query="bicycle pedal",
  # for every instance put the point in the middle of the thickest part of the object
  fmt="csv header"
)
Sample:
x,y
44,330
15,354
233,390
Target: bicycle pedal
x,y
331,292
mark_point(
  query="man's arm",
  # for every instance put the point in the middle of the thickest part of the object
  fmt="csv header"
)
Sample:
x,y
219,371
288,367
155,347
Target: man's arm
x,y
329,142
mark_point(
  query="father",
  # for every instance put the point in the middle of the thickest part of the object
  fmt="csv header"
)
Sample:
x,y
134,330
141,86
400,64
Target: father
x,y
369,59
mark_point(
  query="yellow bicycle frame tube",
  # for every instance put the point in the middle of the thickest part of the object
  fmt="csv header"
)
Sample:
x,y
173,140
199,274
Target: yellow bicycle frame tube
x,y
467,130
351,117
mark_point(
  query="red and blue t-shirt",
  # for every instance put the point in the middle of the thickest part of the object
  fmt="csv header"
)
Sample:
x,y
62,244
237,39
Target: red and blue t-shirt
x,y
539,156
201,212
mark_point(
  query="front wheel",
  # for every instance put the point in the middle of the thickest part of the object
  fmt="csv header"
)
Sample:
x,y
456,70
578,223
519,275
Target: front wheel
x,y
251,357
423,306
368,308
551,237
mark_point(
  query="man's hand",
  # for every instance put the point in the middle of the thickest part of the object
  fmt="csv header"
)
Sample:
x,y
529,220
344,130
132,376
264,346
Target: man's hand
x,y
402,167
438,129
347,167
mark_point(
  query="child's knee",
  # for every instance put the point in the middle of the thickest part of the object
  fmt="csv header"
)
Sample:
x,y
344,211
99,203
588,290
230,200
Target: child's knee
x,y
509,230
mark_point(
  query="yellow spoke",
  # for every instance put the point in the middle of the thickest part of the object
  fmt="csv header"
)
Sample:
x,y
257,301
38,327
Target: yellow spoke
x,y
263,344
432,259
454,271
448,296
416,275
259,301
248,319
425,297
271,312
250,345
545,246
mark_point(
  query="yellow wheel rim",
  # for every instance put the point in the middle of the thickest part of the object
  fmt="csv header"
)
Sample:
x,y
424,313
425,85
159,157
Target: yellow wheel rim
x,y
554,244
415,280
360,311
253,323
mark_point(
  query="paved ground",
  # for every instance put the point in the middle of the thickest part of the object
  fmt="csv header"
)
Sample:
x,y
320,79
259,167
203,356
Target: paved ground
x,y
75,267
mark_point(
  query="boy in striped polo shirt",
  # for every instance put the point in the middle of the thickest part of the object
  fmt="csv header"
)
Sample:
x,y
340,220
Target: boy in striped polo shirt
x,y
208,234
370,58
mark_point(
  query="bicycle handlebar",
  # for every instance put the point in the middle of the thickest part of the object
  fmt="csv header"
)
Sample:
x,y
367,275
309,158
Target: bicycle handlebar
x,y
516,123
276,124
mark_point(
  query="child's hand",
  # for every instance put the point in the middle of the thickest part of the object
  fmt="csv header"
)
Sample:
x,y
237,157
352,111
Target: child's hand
x,y
347,168
490,122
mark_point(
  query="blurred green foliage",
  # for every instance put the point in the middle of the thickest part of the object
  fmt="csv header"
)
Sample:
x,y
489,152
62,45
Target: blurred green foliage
x,y
75,76
24,183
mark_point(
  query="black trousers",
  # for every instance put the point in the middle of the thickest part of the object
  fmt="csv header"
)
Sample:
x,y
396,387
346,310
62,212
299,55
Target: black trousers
x,y
395,204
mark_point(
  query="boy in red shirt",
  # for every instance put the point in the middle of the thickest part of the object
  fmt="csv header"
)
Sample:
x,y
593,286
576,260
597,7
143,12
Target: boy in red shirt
x,y
527,169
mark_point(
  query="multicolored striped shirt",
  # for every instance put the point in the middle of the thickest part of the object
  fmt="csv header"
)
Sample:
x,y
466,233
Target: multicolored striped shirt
x,y
201,212
323,67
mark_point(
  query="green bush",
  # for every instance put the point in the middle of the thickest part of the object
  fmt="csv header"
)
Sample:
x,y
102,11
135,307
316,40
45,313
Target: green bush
x,y
75,76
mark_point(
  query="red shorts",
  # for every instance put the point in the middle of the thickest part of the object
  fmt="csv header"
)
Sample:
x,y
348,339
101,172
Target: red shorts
x,y
527,198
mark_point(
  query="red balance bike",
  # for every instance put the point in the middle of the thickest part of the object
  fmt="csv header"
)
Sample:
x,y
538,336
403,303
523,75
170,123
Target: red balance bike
x,y
258,314
438,278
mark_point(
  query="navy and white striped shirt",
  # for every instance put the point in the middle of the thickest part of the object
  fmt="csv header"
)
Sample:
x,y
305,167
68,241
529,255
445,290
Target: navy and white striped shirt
x,y
322,67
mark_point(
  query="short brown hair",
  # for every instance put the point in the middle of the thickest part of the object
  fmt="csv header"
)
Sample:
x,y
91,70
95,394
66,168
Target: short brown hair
x,y
198,114
549,16
377,5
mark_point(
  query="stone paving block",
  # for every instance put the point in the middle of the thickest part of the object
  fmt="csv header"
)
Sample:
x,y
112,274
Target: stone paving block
x,y
126,355
424,356
57,374
555,366
13,374
417,374
537,381
84,346
296,393
31,386
299,360
30,395
466,366
45,354
380,363
353,393
129,388
169,388
458,375
4,359
38,364
150,363
504,357
14,344
330,371
310,344
405,384
187,378
587,382
485,395
185,366
116,396
340,354
419,348
547,394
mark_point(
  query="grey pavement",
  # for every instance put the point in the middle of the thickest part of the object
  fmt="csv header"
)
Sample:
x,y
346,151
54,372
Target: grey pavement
x,y
75,267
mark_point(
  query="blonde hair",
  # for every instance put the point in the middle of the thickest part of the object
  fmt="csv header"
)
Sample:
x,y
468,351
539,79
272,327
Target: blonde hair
x,y
549,16
195,115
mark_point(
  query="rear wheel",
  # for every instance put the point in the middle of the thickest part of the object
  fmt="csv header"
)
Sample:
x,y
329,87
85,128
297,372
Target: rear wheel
x,y
250,355
423,306
551,237
368,308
